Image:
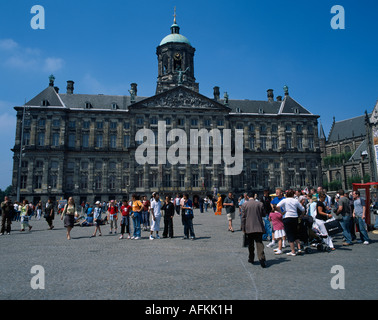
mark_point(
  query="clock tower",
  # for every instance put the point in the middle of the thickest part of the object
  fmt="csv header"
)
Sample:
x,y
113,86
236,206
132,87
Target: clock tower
x,y
175,61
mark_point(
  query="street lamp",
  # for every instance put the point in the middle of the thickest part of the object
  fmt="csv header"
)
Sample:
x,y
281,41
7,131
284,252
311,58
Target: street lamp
x,y
21,154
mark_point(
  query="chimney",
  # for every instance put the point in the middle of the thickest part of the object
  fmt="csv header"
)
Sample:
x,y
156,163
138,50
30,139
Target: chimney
x,y
216,93
56,89
70,87
51,80
134,88
270,94
279,98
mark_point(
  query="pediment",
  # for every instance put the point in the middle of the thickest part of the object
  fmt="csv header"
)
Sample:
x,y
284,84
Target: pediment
x,y
180,98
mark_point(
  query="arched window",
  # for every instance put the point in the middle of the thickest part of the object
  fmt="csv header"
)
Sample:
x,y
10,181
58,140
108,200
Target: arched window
x,y
354,172
347,149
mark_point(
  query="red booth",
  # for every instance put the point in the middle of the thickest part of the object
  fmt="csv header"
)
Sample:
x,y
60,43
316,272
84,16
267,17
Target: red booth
x,y
366,186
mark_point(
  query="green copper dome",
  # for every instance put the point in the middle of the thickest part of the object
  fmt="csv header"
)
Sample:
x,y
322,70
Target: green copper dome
x,y
175,35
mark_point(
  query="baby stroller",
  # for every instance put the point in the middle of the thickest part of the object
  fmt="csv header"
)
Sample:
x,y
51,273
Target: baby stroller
x,y
315,239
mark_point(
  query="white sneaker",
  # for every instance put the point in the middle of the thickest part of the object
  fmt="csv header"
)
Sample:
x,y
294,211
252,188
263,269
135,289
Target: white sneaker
x,y
291,254
121,237
132,238
271,244
366,242
151,237
136,238
278,252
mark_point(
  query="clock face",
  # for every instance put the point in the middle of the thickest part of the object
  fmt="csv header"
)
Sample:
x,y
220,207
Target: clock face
x,y
177,56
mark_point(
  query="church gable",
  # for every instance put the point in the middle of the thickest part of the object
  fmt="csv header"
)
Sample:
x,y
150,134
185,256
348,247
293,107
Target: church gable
x,y
181,98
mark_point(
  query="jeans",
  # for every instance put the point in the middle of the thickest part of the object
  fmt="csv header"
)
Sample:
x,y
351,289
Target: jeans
x,y
362,228
268,229
145,218
345,224
188,227
125,223
136,224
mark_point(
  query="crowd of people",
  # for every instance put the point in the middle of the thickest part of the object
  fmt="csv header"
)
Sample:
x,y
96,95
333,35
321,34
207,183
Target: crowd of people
x,y
283,219
288,218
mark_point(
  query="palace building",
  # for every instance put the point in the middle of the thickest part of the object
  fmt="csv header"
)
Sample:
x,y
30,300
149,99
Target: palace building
x,y
81,145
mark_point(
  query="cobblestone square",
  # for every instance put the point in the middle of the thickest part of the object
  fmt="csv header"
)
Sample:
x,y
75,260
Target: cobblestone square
x,y
212,267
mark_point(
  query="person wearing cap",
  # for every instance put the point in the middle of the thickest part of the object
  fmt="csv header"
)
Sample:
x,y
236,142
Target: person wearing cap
x,y
97,218
112,216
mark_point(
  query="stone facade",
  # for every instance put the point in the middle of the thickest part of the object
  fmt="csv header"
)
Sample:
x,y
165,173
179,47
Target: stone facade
x,y
84,145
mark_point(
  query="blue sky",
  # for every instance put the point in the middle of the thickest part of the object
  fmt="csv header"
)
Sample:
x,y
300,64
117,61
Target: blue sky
x,y
244,47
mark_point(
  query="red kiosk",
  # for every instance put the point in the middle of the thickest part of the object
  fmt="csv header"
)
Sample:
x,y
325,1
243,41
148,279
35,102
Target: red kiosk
x,y
366,187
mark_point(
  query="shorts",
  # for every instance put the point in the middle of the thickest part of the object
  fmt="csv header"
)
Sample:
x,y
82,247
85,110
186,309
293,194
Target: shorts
x,y
231,216
291,229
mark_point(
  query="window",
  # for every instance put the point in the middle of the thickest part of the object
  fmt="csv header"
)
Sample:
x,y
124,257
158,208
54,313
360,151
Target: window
x,y
220,123
182,180
71,140
98,182
98,165
26,138
113,125
54,164
139,121
99,125
253,165
299,128
274,143
347,149
126,141
83,182
24,164
72,124
167,181
84,165
126,125
263,128
277,179
113,141
38,182
27,122
154,179
277,165
85,140
55,140
254,180
221,180
139,180
180,122
251,127
299,143
153,120
288,142
240,126
41,139
70,165
125,182
56,123
112,182
263,143
41,123
195,180
194,122
24,180
39,164
251,143
274,128
88,105
288,127
53,181
99,141
311,143
168,121
112,165
86,124
207,122
114,106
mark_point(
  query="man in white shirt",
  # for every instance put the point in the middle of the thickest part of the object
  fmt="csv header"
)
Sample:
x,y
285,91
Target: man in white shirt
x,y
156,216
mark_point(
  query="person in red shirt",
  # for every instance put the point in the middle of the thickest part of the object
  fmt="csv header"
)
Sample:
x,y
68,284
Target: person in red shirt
x,y
112,216
125,216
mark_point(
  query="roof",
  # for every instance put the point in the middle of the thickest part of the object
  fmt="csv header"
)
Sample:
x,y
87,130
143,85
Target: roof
x,y
175,37
287,106
48,95
362,149
347,129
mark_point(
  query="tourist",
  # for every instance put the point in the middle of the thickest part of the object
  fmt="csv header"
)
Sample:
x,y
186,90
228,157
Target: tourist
x,y
137,208
69,213
113,217
145,213
321,217
97,211
49,213
7,211
279,231
25,213
230,203
169,212
156,216
125,222
268,235
176,203
39,210
359,214
290,207
188,218
253,227
345,211
218,212
241,201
